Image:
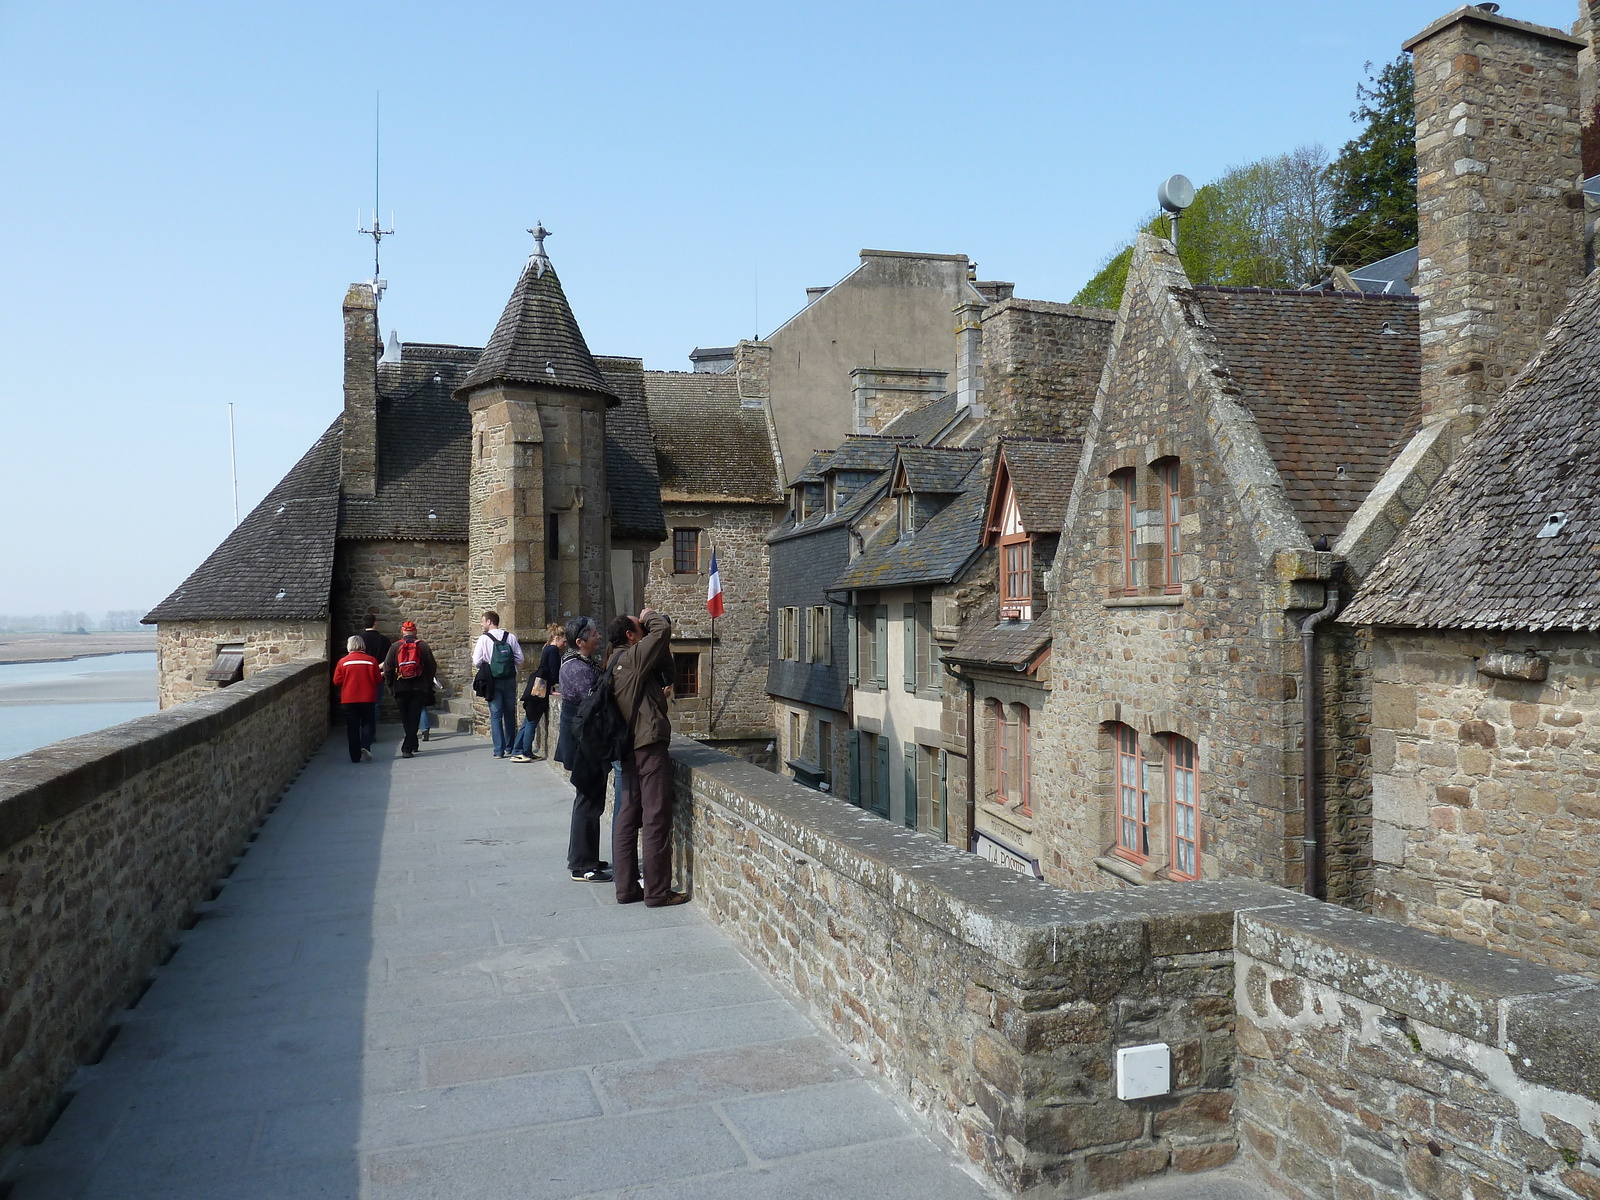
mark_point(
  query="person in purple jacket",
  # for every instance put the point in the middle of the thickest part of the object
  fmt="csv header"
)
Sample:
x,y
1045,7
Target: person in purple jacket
x,y
578,678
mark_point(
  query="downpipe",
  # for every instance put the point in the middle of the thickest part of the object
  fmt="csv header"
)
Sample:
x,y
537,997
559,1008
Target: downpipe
x,y
1310,691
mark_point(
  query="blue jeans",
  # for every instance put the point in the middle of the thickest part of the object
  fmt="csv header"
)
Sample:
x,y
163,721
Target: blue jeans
x,y
377,708
524,742
503,715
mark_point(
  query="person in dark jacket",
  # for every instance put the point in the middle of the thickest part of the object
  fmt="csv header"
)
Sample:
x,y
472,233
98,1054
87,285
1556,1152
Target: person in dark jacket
x,y
578,678
358,677
644,803
409,669
378,647
546,678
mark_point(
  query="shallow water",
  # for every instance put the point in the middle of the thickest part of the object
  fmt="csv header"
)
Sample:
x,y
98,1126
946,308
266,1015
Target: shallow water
x,y
42,703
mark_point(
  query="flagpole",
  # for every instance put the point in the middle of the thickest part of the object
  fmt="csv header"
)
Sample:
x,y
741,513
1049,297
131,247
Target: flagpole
x,y
711,713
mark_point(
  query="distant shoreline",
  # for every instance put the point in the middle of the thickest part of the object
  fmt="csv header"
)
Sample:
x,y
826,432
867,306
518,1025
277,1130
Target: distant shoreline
x,y
67,647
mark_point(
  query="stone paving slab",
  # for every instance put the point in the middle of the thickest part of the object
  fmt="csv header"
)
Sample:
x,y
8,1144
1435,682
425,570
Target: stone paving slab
x,y
400,994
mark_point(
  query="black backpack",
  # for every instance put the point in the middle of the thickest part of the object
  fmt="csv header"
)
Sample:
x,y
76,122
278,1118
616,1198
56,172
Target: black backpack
x,y
600,734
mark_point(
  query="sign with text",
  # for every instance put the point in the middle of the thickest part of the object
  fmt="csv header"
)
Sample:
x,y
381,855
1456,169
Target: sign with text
x,y
1012,859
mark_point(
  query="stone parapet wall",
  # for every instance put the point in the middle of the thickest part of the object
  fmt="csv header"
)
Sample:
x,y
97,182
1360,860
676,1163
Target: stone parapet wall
x,y
1378,1061
185,651
1041,365
109,840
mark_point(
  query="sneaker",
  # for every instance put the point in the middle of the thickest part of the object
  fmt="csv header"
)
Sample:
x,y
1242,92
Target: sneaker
x,y
366,755
520,758
534,757
595,876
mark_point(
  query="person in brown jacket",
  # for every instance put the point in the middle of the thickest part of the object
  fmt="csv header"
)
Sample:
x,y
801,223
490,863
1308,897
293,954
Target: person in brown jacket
x,y
644,802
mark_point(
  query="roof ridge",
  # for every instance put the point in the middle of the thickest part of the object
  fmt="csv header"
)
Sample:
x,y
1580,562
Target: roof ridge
x,y
1310,295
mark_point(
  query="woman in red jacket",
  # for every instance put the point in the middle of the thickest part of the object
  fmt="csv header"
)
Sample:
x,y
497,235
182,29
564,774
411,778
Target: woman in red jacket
x,y
357,677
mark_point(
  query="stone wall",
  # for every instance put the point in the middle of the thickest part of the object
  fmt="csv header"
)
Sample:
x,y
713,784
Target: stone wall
x,y
1485,800
425,582
1376,1061
109,840
739,708
185,651
1041,364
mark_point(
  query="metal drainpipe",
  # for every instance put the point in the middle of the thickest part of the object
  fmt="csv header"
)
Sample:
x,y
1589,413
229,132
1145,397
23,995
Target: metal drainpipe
x,y
1312,843
972,770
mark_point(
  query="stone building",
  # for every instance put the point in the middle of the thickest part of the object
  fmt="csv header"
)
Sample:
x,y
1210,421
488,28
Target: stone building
x,y
520,477
1484,620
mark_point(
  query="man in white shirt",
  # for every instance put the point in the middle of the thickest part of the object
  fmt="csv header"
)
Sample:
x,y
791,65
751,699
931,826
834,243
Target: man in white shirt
x,y
498,654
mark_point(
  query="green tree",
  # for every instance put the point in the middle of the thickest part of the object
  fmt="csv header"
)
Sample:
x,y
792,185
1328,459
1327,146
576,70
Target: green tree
x,y
1374,209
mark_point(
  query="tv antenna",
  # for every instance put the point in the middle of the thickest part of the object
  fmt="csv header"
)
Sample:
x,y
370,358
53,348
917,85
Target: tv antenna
x,y
377,233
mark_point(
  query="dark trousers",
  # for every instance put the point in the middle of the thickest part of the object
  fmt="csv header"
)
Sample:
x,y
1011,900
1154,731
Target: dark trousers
x,y
644,805
410,705
360,726
583,844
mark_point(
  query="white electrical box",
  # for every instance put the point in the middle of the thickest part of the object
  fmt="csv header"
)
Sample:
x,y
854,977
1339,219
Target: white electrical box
x,y
1144,1071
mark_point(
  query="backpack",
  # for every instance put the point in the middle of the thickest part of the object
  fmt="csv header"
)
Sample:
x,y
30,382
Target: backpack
x,y
600,735
408,660
502,662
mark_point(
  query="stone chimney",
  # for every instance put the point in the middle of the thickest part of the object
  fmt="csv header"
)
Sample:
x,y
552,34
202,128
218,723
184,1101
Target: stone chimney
x,y
358,465
969,357
752,365
1499,201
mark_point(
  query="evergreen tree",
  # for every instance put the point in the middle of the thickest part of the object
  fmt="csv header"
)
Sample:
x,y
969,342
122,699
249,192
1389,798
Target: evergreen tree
x,y
1375,176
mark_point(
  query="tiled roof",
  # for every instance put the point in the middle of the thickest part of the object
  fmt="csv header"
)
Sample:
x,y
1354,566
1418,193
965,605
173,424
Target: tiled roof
x,y
1335,396
864,452
989,641
934,471
538,341
1042,472
424,449
936,553
277,564
1470,558
924,425
815,466
631,476
706,444
859,502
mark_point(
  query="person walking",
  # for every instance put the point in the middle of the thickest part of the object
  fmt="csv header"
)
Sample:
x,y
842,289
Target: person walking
x,y
377,646
358,676
578,677
499,650
644,805
409,670
546,678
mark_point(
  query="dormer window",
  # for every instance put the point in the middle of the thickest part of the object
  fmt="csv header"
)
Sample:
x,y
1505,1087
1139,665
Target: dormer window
x,y
907,514
1016,562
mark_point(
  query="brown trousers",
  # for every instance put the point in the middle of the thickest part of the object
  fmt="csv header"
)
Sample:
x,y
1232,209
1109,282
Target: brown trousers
x,y
645,805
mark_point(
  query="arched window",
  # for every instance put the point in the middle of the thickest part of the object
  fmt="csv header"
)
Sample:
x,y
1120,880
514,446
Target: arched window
x,y
1024,762
1133,796
1171,525
1183,786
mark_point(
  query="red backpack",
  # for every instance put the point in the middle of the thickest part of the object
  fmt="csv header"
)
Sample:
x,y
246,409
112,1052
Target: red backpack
x,y
407,660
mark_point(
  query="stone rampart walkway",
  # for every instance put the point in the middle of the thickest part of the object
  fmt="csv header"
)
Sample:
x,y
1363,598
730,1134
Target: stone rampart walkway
x,y
400,994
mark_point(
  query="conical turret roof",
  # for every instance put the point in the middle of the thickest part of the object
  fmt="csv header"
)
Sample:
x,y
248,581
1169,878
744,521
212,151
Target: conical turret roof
x,y
538,342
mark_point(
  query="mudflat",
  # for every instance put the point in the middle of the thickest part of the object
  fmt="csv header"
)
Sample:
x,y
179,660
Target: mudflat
x,y
55,647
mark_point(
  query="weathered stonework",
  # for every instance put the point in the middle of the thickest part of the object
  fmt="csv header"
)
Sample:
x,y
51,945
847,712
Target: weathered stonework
x,y
185,651
107,842
1041,364
880,394
1486,792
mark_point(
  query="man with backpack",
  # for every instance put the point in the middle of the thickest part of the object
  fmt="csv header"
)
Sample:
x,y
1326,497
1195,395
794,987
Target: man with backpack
x,y
409,669
499,652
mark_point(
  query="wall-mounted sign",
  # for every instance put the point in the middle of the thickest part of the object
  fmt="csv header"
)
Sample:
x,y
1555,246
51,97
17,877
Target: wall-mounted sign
x,y
990,847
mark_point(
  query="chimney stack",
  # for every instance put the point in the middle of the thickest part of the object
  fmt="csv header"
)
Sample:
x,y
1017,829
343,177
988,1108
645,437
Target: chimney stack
x,y
969,357
358,464
1499,201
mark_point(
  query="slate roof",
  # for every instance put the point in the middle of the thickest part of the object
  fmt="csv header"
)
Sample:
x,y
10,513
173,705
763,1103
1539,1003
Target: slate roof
x,y
631,475
859,502
424,449
1469,557
537,340
815,466
284,545
936,553
1389,276
706,443
935,471
992,642
1042,471
924,425
1328,387
864,452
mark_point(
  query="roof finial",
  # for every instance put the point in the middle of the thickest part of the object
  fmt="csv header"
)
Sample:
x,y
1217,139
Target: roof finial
x,y
539,260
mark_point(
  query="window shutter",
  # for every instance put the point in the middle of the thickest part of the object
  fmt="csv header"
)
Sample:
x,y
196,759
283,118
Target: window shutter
x,y
935,674
880,646
853,629
882,782
854,737
908,654
944,796
911,785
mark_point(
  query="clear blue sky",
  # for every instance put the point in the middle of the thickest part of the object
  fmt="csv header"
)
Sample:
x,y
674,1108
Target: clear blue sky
x,y
181,185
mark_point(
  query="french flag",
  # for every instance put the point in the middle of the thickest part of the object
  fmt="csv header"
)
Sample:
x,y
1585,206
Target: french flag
x,y
714,589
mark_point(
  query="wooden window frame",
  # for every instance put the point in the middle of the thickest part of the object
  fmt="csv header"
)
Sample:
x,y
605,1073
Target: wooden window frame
x,y
1019,546
679,659
1024,762
825,751
686,551
1183,764
821,634
1171,524
1127,484
906,513
1002,793
1132,829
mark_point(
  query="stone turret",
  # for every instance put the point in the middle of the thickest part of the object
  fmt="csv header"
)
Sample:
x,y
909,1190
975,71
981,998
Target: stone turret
x,y
538,540
1499,201
358,459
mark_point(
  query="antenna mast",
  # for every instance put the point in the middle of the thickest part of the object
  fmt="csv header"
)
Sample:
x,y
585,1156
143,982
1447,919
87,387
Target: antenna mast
x,y
377,233
233,464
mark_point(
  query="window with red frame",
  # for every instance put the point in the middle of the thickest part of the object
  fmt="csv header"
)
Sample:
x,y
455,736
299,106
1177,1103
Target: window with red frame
x,y
1016,574
1002,749
1171,520
1183,785
1133,796
1024,763
1130,577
